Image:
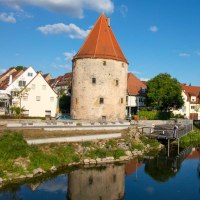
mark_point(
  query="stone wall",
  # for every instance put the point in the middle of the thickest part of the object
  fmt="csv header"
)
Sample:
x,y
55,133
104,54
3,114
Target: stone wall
x,y
85,102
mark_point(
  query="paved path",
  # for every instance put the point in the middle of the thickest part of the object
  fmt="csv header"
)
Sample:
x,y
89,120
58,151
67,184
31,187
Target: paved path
x,y
75,138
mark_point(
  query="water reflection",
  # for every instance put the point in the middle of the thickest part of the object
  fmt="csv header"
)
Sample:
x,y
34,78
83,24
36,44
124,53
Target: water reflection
x,y
145,179
164,167
101,183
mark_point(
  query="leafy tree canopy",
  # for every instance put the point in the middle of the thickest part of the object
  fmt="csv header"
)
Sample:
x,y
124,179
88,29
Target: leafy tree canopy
x,y
164,93
20,68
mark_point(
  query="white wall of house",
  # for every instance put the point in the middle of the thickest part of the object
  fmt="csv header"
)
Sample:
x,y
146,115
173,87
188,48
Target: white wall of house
x,y
27,76
188,107
39,100
134,101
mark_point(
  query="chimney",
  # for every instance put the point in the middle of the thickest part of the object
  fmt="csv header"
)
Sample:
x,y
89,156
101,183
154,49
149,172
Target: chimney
x,y
10,79
108,21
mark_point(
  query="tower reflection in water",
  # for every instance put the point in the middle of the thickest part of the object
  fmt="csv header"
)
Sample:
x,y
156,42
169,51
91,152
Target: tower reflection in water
x,y
101,183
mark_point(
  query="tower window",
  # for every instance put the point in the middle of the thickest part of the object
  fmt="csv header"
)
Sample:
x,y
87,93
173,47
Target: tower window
x,y
122,100
93,80
122,64
101,100
116,82
104,62
76,100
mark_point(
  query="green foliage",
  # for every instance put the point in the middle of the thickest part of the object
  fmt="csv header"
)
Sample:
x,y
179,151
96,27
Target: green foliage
x,y
20,68
111,143
154,115
192,138
12,146
137,146
118,152
164,93
152,142
16,111
87,144
64,103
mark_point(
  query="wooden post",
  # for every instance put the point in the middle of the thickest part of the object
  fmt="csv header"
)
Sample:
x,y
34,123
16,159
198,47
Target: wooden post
x,y
168,147
178,145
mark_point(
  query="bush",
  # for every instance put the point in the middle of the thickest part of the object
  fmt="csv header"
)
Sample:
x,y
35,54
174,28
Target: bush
x,y
154,115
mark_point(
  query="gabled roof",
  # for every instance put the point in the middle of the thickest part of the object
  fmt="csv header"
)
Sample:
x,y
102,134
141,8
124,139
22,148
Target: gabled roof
x,y
34,79
191,91
101,43
15,75
61,80
134,85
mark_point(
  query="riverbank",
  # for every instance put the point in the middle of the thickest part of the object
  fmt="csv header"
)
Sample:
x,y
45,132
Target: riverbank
x,y
21,161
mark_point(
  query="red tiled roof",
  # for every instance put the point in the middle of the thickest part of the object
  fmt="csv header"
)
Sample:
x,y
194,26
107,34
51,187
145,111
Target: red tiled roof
x,y
7,73
191,91
101,43
134,85
61,80
15,75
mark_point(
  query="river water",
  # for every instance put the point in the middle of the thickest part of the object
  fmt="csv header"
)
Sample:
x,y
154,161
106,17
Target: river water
x,y
176,177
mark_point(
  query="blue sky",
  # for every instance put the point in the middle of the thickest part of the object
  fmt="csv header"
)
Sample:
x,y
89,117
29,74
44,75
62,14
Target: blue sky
x,y
156,36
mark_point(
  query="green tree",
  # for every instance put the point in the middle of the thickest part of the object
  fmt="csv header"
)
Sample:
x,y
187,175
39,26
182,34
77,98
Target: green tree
x,y
20,68
64,103
164,93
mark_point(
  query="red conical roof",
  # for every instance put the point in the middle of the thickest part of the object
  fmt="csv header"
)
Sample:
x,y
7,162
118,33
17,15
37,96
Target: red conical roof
x,y
101,43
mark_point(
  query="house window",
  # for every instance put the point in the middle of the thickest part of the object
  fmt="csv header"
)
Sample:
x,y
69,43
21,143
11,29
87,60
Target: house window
x,y
22,83
93,80
143,90
126,100
192,107
76,100
47,112
52,99
33,86
104,63
122,100
101,100
38,98
30,74
44,87
117,82
13,93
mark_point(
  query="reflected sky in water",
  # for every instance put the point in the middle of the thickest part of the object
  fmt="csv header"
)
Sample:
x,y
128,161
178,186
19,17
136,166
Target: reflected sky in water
x,y
174,177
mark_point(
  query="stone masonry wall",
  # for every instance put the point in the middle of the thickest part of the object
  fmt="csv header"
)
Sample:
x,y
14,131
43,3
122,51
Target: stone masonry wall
x,y
85,102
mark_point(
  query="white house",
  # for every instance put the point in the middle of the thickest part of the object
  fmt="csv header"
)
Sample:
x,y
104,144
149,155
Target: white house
x,y
38,99
136,92
191,97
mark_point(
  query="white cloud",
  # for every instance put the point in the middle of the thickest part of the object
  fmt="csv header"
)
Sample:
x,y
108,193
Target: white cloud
x,y
198,53
73,8
2,70
62,66
153,29
135,72
9,18
184,54
123,10
144,79
71,30
69,55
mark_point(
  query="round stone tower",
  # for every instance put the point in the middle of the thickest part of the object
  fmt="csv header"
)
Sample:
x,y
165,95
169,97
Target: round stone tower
x,y
99,82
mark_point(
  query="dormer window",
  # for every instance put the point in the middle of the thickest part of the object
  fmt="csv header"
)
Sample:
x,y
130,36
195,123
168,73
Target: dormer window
x,y
143,90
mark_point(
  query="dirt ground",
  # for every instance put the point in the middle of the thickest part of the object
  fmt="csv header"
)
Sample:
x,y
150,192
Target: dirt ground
x,y
40,133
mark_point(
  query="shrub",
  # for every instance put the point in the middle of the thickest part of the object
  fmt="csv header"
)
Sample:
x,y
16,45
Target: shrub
x,y
154,115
